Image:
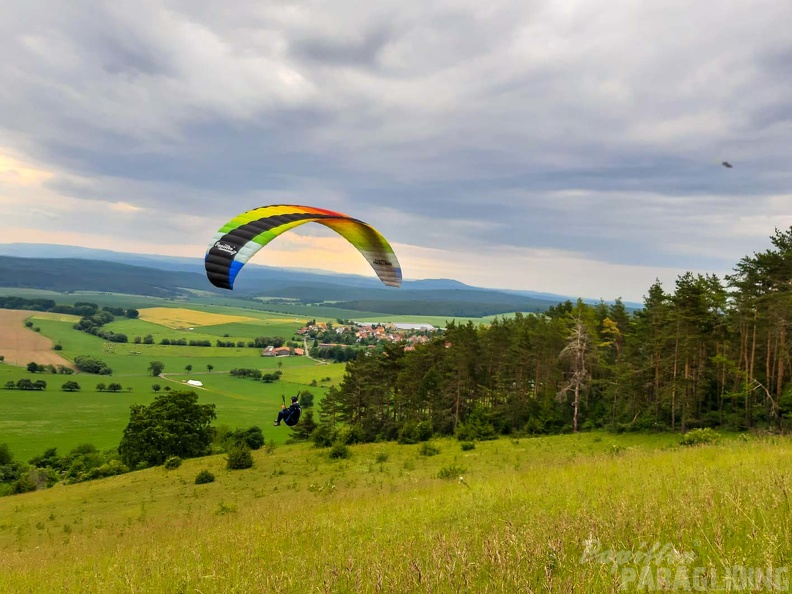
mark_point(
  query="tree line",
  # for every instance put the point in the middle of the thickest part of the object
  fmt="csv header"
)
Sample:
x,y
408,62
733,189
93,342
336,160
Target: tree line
x,y
709,352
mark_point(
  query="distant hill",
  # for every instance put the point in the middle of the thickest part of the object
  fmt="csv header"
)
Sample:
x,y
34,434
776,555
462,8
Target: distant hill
x,y
68,269
72,274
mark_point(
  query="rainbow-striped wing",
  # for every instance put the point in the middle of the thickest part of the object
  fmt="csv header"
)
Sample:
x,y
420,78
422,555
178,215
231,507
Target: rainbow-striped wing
x,y
244,235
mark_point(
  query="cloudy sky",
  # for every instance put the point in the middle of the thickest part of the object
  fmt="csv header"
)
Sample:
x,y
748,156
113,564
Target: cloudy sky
x,y
568,146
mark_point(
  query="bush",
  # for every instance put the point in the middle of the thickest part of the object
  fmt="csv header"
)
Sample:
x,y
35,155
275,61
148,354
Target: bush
x,y
467,446
322,436
412,432
476,427
428,449
450,472
339,450
225,439
349,434
172,463
204,477
239,458
253,438
25,484
699,437
381,457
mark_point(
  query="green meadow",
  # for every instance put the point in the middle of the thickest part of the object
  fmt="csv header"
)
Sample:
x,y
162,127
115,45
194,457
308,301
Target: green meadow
x,y
32,421
576,513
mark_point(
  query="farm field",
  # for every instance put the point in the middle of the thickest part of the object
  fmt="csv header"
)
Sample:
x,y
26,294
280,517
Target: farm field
x,y
575,513
31,421
180,318
20,345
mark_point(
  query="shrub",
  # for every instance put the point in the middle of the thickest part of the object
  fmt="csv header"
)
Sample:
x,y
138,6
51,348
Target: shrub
x,y
467,446
428,449
226,439
239,458
204,477
172,462
253,438
322,436
699,437
24,484
476,427
349,434
412,432
339,450
450,472
381,457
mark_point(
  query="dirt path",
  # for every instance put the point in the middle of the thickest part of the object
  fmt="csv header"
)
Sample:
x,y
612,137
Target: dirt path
x,y
305,348
20,345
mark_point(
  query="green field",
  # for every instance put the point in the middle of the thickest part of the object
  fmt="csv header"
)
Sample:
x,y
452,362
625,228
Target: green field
x,y
583,513
30,422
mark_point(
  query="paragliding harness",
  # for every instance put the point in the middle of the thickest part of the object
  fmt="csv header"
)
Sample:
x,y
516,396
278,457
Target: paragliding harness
x,y
292,413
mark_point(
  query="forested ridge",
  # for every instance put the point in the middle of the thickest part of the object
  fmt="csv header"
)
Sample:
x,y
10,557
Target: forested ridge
x,y
709,352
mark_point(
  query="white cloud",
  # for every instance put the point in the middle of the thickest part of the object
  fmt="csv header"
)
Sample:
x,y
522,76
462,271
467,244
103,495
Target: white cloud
x,y
125,207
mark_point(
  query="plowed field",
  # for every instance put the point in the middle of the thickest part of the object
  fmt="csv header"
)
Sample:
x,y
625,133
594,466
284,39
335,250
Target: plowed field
x,y
20,345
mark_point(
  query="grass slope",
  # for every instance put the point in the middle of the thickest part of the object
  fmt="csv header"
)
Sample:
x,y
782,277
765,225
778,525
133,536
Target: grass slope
x,y
522,518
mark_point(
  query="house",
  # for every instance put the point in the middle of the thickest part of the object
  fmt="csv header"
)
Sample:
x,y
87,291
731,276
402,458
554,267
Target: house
x,y
268,352
282,351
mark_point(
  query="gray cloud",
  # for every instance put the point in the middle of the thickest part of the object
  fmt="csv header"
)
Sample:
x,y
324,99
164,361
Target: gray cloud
x,y
534,124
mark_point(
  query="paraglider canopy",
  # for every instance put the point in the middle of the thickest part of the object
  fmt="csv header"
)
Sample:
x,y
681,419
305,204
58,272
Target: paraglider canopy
x,y
244,235
727,164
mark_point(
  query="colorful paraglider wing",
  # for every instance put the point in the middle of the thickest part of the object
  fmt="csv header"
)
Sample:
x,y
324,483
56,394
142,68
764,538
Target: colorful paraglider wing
x,y
244,235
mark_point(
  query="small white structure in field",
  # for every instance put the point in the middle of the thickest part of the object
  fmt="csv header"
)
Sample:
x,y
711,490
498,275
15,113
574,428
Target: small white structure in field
x,y
195,383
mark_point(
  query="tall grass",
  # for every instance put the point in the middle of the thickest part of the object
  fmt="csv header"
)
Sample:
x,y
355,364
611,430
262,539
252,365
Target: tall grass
x,y
522,518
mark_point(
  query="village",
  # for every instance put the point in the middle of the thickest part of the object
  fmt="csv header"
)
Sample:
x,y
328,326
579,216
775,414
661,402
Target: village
x,y
327,340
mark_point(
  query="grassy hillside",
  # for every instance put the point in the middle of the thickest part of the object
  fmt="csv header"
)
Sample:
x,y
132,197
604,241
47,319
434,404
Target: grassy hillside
x,y
567,513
